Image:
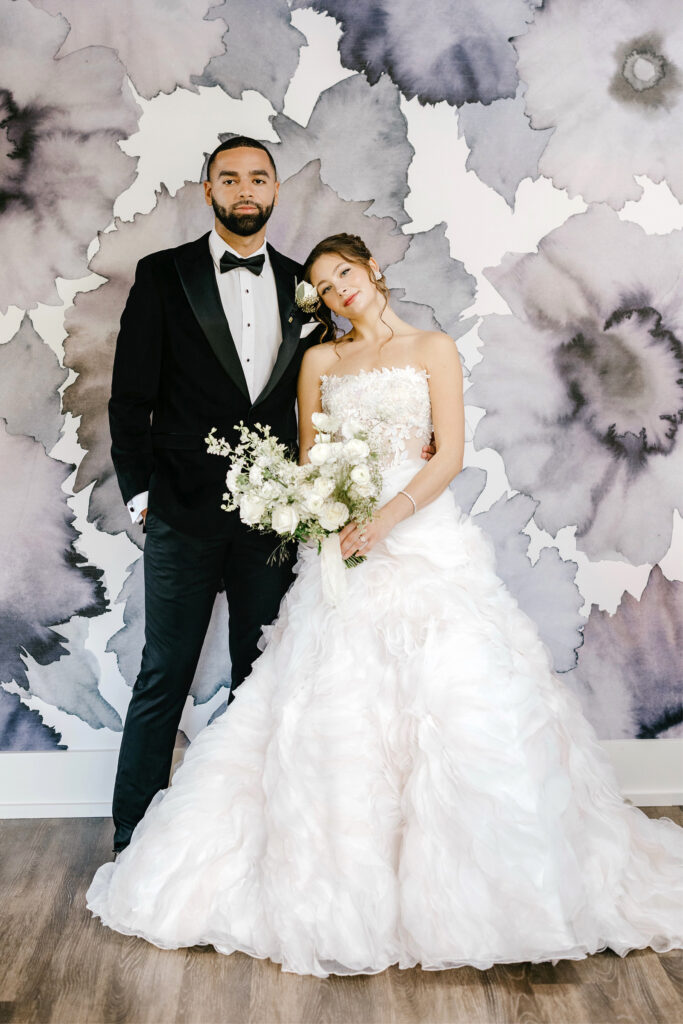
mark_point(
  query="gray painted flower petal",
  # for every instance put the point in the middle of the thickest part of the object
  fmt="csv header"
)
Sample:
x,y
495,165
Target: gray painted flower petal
x,y
583,386
545,591
92,326
309,210
628,676
127,642
21,728
504,148
162,44
348,120
50,135
43,581
261,49
27,361
436,51
213,670
428,275
71,682
617,110
467,487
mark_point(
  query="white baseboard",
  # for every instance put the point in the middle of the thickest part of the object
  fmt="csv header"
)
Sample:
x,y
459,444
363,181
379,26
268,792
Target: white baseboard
x,y
649,772
57,784
79,783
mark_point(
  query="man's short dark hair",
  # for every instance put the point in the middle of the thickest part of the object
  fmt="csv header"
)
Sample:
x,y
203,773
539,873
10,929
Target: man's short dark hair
x,y
239,142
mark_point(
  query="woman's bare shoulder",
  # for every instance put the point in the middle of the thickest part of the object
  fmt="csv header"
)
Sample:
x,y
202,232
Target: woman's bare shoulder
x,y
429,347
319,358
437,347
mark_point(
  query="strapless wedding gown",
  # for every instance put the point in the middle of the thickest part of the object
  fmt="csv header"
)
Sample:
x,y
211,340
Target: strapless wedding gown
x,y
402,779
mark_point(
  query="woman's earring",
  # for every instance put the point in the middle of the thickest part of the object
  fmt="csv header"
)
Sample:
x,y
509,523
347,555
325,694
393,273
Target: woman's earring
x,y
378,275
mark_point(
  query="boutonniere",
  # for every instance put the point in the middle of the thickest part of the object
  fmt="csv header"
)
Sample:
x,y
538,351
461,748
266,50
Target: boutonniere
x,y
305,296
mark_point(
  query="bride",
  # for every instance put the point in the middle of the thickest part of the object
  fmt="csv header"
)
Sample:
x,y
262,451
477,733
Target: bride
x,y
402,779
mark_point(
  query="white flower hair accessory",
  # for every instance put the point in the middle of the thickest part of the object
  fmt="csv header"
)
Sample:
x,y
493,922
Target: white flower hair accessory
x,y
305,296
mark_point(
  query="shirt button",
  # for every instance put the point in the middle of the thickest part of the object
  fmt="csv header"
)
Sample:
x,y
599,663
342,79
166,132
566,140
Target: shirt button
x,y
248,325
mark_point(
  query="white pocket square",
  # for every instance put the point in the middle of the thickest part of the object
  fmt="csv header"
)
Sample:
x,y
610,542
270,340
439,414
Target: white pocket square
x,y
307,328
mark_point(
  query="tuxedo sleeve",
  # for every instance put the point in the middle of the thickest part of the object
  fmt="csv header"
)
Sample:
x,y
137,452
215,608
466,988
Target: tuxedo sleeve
x,y
135,380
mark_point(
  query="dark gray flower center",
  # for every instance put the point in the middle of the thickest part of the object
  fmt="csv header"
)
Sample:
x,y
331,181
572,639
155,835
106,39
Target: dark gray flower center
x,y
625,382
643,70
18,136
644,73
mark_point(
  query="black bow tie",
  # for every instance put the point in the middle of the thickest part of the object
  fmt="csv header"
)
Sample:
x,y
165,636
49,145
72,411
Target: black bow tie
x,y
252,263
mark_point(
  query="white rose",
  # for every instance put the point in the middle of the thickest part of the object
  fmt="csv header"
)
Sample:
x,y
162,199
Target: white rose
x,y
319,453
251,509
350,428
333,516
355,449
315,503
306,296
271,490
363,490
321,421
231,479
360,475
285,519
323,486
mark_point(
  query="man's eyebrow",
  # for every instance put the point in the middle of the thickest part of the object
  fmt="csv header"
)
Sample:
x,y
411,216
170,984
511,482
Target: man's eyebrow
x,y
235,174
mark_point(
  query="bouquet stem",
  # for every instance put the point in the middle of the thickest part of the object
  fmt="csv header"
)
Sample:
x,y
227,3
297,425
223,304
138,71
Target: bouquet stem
x,y
354,560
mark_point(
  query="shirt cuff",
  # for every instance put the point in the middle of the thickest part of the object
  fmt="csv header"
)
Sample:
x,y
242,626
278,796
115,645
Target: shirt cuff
x,y
137,504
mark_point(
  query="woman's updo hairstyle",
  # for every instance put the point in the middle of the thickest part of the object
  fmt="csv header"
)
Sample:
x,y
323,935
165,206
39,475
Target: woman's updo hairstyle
x,y
353,249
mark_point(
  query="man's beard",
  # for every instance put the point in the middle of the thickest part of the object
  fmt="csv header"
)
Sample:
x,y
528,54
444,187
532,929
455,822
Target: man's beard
x,y
244,224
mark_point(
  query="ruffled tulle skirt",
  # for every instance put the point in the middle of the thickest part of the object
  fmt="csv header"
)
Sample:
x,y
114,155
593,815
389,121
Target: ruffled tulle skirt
x,y
401,780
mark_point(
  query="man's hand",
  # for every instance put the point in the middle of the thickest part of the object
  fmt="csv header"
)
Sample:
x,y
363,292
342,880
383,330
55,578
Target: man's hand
x,y
429,450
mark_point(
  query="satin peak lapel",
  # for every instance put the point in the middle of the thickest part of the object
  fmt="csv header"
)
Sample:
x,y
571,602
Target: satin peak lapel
x,y
196,271
289,320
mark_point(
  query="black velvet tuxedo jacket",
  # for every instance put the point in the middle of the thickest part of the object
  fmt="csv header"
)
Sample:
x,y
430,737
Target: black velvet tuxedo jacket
x,y
177,374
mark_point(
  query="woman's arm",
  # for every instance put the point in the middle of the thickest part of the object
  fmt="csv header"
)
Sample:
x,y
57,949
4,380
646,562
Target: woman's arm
x,y
315,362
442,362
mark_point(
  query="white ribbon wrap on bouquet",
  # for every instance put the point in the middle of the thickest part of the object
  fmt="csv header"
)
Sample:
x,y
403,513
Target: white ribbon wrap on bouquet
x,y
333,570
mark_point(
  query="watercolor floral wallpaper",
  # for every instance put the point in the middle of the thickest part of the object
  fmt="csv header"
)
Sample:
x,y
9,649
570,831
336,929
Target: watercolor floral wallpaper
x,y
516,168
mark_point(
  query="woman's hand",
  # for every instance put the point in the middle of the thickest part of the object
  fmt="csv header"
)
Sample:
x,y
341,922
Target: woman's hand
x,y
360,540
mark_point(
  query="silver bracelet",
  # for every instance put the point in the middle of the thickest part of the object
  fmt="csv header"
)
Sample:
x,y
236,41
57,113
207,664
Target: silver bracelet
x,y
411,499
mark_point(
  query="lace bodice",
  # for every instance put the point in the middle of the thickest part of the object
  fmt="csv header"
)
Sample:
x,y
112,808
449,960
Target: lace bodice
x,y
391,403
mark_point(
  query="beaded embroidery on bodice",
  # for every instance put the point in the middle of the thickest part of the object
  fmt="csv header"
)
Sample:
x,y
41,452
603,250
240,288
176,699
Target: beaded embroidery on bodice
x,y
392,405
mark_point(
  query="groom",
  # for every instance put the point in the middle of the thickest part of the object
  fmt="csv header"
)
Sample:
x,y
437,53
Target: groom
x,y
210,335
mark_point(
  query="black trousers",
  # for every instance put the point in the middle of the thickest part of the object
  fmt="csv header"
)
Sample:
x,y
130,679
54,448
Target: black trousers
x,y
182,577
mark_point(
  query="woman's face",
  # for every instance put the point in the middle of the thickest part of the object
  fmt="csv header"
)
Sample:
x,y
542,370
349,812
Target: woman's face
x,y
344,287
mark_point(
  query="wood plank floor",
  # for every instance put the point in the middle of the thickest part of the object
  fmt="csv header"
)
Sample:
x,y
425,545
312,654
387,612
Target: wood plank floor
x,y
57,964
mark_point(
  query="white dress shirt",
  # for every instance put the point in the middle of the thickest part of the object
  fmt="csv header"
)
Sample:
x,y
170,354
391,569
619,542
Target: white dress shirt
x,y
251,309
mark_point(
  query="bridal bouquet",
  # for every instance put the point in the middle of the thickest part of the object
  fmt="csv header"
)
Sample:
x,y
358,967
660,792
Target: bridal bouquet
x,y
310,502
